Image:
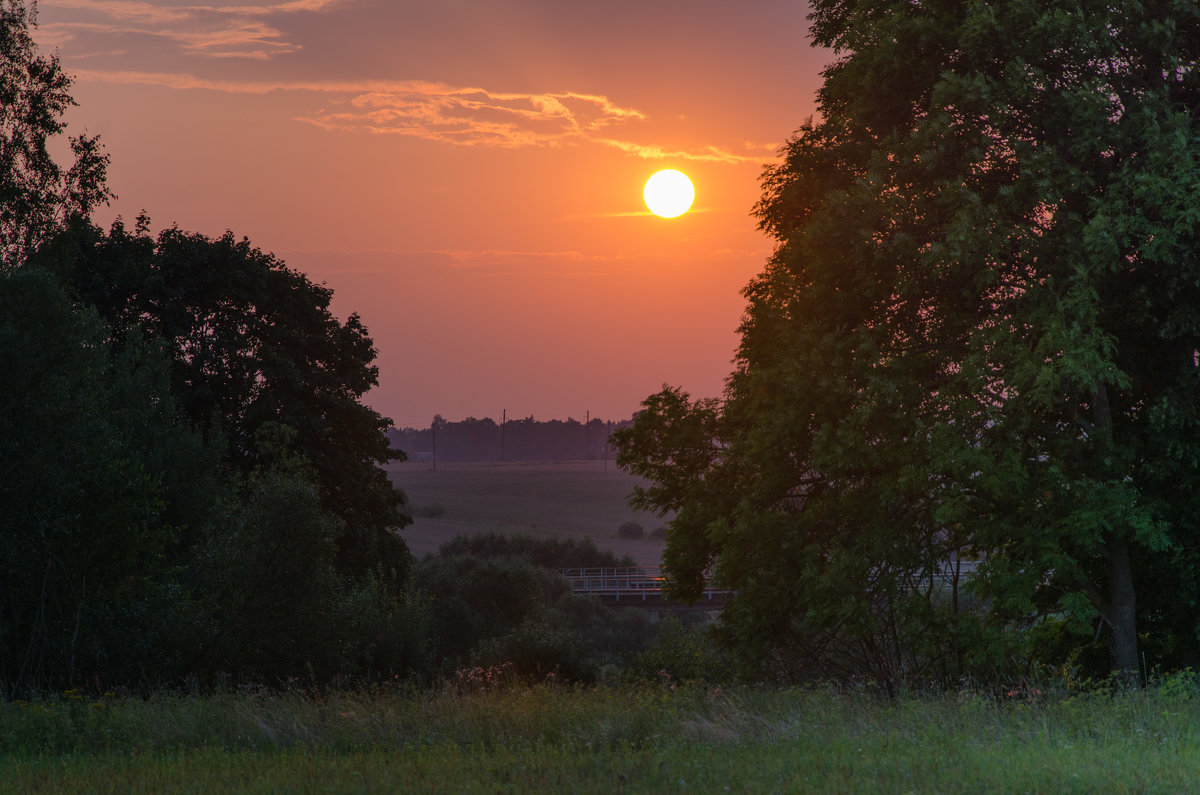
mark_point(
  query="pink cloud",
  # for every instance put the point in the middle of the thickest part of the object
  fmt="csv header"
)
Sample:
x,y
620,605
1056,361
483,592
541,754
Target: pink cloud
x,y
455,115
208,30
476,116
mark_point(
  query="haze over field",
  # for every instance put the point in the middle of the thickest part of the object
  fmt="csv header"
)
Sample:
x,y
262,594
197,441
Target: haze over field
x,y
577,500
468,177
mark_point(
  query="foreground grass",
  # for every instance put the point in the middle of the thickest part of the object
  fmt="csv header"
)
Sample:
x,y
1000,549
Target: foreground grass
x,y
620,739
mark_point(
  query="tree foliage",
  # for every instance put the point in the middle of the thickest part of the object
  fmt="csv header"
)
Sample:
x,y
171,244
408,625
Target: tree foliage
x,y
253,343
977,340
37,196
99,485
496,599
129,554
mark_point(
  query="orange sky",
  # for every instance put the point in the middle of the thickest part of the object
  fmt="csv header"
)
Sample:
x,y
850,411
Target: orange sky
x,y
465,175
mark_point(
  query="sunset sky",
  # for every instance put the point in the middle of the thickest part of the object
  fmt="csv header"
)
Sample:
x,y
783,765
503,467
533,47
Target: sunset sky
x,y
467,176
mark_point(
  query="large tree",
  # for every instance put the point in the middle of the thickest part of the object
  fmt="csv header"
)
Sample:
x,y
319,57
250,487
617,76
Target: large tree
x,y
978,339
101,485
253,343
131,554
37,196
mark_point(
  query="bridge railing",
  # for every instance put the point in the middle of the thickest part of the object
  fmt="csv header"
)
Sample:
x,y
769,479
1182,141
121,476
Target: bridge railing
x,y
628,582
647,582
616,582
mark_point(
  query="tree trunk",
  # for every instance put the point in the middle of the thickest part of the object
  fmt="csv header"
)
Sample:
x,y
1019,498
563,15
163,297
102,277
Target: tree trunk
x,y
1122,613
1122,599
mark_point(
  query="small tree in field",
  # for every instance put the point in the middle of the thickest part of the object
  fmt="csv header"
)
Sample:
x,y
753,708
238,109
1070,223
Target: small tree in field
x,y
978,337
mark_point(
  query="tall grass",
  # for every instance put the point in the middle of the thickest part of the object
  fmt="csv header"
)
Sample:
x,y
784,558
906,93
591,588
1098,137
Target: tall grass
x,y
647,738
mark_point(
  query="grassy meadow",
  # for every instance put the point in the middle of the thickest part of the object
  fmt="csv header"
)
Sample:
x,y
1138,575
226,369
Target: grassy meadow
x,y
483,731
482,736
572,499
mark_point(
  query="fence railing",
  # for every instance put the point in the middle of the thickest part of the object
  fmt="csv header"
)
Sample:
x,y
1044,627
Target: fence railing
x,y
624,582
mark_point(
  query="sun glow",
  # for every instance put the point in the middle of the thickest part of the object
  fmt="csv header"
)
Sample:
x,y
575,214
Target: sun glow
x,y
669,193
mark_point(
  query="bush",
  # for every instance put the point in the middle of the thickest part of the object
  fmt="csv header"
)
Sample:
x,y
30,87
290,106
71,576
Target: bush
x,y
498,600
384,636
540,647
682,653
659,533
273,584
631,530
473,599
427,511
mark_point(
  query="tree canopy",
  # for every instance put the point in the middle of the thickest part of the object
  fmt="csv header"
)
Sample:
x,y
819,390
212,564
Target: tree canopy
x,y
253,342
97,479
976,344
37,195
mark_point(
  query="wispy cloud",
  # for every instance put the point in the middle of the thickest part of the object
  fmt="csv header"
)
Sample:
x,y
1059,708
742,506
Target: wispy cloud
x,y
215,31
477,117
502,261
463,258
710,154
155,12
630,214
183,80
456,115
494,262
247,39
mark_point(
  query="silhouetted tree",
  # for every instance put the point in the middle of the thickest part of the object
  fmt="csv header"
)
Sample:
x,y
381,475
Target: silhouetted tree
x,y
978,337
253,342
37,196
101,485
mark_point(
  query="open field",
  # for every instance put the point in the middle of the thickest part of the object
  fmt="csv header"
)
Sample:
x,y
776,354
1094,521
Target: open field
x,y
579,499
636,738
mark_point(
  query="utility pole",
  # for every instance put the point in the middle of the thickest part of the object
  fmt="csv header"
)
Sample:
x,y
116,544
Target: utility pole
x,y
607,434
587,435
503,420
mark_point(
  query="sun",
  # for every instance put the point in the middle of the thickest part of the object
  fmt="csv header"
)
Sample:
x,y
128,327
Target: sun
x,y
669,193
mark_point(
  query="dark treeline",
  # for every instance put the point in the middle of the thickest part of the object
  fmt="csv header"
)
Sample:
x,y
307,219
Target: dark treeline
x,y
514,440
978,339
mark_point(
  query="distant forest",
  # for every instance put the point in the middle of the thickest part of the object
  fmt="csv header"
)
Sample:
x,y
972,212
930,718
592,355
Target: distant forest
x,y
512,440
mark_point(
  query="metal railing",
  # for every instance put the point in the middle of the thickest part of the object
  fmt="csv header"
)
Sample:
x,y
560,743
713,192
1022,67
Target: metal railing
x,y
627,582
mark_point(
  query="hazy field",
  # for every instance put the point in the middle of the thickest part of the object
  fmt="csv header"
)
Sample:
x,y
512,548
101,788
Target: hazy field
x,y
560,499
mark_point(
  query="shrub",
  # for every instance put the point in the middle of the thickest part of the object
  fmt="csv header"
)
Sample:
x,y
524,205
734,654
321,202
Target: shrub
x,y
682,653
631,530
273,586
497,599
540,647
427,511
